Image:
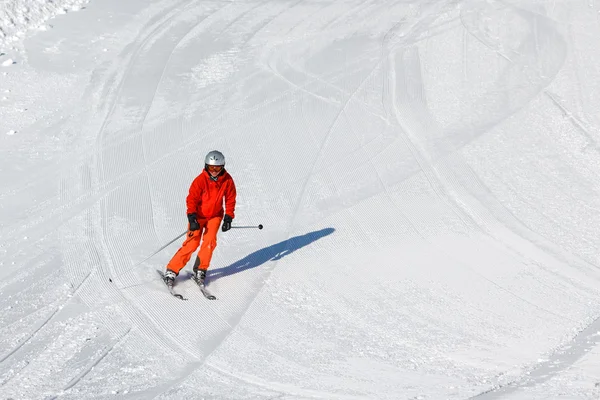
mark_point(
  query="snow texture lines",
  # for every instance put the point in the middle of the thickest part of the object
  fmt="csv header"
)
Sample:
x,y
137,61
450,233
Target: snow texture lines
x,y
285,390
43,323
87,370
132,204
561,359
154,30
31,335
450,146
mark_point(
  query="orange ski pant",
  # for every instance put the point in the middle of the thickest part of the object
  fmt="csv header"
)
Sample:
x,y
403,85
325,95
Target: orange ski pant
x,y
208,233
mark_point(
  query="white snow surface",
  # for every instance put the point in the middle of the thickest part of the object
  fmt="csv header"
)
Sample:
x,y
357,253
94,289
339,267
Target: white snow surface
x,y
19,16
427,173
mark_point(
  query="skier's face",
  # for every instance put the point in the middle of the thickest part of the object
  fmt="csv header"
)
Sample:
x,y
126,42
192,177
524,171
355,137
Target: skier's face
x,y
214,170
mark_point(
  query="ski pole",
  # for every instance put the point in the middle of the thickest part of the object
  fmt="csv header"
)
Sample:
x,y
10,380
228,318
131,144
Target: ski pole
x,y
159,250
247,227
153,254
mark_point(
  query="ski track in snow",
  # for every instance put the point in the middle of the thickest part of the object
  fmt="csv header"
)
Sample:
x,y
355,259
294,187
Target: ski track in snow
x,y
581,343
341,99
145,321
143,324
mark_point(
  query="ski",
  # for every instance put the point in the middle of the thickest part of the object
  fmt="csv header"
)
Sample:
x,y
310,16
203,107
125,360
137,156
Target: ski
x,y
173,293
205,292
203,289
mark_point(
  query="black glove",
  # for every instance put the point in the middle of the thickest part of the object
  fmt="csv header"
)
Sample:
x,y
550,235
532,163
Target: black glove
x,y
194,225
226,223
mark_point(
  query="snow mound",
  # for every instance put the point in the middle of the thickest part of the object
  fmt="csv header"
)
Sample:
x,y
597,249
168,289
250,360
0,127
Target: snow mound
x,y
19,16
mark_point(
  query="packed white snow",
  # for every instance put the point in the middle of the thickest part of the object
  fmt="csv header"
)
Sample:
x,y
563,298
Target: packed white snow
x,y
426,173
17,17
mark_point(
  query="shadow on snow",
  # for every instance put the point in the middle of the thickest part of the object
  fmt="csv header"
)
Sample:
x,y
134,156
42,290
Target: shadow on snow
x,y
271,253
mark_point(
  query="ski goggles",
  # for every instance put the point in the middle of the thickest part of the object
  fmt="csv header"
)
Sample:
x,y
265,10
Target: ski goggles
x,y
214,168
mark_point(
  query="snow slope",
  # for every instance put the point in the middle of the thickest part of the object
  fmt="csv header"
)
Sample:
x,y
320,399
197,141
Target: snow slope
x,y
426,172
19,16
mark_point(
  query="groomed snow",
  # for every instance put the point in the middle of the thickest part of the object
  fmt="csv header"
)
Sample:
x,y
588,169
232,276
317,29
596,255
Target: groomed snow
x,y
426,173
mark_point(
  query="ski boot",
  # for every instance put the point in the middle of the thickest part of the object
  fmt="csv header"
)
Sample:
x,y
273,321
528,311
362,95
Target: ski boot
x,y
169,278
199,276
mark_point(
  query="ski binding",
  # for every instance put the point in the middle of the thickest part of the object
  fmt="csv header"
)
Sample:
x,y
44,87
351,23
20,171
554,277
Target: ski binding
x,y
171,290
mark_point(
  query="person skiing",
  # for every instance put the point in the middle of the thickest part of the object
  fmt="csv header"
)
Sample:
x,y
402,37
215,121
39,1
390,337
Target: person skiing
x,y
209,190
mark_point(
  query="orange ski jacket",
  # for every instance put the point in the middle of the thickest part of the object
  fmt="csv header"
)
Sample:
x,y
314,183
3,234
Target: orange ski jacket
x,y
205,198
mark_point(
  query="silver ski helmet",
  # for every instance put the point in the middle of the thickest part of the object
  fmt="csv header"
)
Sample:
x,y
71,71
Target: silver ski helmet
x,y
214,157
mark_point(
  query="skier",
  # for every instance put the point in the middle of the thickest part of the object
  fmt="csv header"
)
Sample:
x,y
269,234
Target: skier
x,y
209,190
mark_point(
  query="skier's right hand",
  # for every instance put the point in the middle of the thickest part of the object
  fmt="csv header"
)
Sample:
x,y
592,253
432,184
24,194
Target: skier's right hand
x,y
194,225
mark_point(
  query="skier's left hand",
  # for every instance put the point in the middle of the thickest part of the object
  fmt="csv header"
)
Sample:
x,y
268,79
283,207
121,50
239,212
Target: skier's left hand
x,y
226,223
